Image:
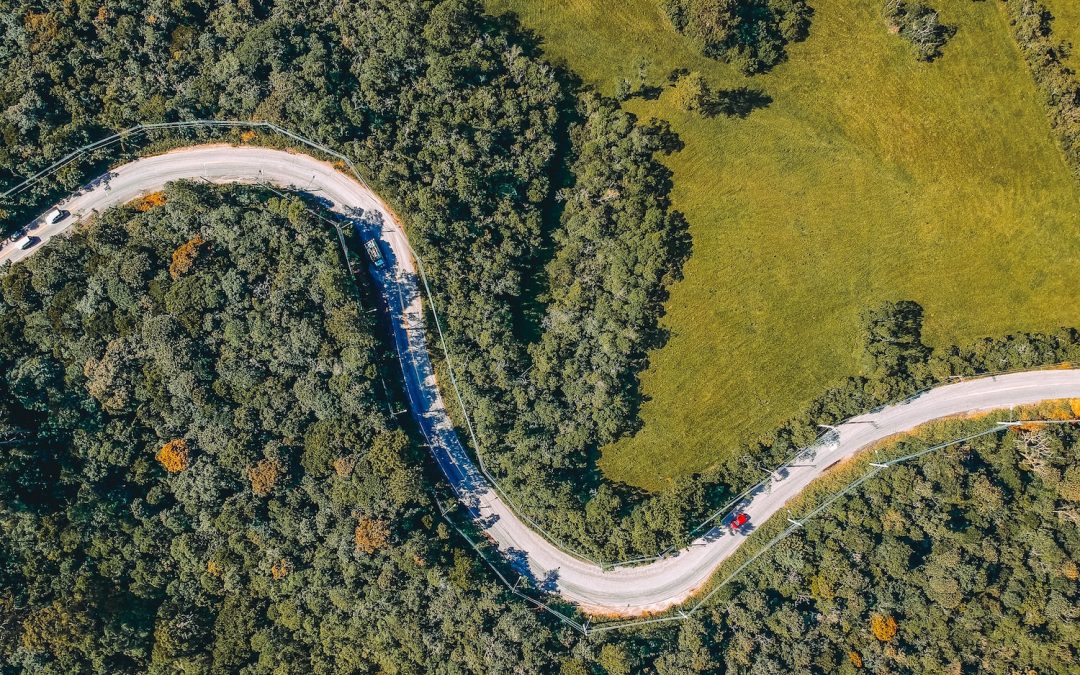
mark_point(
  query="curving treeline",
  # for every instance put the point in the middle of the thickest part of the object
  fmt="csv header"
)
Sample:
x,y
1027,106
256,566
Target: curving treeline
x,y
626,591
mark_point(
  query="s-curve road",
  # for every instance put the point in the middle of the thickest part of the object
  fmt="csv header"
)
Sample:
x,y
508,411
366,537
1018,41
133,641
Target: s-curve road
x,y
626,591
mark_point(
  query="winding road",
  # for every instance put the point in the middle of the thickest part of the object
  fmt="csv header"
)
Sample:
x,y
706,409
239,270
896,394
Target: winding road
x,y
625,591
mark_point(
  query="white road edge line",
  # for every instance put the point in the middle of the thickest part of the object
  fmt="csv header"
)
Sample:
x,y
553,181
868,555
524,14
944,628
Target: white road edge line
x,y
620,591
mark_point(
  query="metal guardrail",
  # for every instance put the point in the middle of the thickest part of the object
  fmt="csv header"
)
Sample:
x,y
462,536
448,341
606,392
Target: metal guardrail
x,y
797,524
803,454
134,131
584,628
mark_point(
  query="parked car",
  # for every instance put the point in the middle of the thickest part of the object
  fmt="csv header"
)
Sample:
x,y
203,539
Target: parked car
x,y
55,216
26,242
374,253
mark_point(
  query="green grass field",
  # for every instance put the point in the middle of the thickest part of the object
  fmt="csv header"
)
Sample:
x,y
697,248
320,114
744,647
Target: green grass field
x,y
871,176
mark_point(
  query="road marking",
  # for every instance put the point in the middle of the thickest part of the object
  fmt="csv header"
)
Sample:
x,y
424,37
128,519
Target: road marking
x,y
625,590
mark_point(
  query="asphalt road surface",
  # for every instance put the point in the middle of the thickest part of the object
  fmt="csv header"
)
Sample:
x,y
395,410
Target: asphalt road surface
x,y
626,591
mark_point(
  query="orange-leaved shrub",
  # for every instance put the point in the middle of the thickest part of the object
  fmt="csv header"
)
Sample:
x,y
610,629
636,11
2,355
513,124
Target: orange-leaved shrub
x,y
883,627
152,200
371,535
174,455
183,258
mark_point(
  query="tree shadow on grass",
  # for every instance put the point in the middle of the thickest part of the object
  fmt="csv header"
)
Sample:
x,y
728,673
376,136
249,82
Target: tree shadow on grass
x,y
648,93
738,102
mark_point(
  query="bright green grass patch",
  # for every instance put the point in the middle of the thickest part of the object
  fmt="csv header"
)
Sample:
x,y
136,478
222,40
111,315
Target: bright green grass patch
x,y
871,176
1066,26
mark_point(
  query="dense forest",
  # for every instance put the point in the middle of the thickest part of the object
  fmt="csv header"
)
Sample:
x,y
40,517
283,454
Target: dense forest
x,y
543,215
456,119
200,472
962,562
550,259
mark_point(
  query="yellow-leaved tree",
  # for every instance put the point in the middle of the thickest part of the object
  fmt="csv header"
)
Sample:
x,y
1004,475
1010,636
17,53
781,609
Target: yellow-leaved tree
x,y
174,455
263,476
183,258
371,535
279,570
883,627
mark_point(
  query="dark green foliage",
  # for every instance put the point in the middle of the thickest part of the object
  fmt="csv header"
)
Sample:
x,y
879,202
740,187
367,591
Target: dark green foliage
x,y
111,564
894,340
920,25
618,248
692,93
457,124
258,356
748,33
972,551
1047,58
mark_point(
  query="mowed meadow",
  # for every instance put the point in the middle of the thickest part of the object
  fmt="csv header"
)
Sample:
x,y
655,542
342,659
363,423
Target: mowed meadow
x,y
869,176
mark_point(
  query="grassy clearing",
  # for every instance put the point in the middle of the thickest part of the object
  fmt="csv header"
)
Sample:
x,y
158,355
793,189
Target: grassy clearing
x,y
871,176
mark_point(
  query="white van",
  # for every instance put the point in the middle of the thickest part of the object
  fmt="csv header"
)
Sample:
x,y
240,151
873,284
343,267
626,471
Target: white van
x,y
25,242
374,253
54,216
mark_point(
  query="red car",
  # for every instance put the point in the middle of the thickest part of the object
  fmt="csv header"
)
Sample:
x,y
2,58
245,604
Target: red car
x,y
738,521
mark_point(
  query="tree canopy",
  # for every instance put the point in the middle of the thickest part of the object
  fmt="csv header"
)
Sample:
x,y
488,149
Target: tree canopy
x,y
199,468
202,473
751,34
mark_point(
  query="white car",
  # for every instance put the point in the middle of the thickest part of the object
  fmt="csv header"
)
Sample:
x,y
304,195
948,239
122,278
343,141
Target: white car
x,y
25,242
374,253
54,216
